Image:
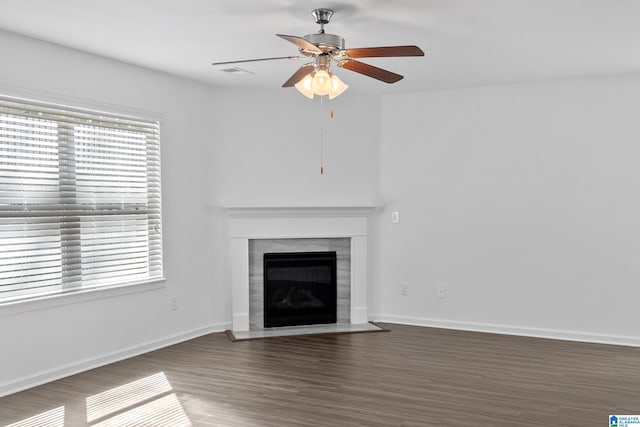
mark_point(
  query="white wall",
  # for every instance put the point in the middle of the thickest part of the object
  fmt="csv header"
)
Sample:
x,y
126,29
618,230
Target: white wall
x,y
42,343
218,147
271,143
522,201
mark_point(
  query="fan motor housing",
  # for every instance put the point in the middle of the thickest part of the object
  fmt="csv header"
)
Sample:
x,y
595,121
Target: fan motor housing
x,y
326,42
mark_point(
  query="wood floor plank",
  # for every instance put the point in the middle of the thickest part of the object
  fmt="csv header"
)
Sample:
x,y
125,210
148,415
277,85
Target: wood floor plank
x,y
409,377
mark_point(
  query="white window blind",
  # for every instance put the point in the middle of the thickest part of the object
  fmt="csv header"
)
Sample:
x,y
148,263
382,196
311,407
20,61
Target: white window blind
x,y
79,200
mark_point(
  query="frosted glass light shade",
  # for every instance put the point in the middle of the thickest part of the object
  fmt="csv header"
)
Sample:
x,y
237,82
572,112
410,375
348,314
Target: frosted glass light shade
x,y
321,84
337,86
304,86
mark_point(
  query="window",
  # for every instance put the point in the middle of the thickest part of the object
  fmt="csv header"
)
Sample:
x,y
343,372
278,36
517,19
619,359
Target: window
x,y
79,200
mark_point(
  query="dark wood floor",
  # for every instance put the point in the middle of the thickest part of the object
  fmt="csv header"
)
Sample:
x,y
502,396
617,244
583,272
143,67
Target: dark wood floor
x,y
410,376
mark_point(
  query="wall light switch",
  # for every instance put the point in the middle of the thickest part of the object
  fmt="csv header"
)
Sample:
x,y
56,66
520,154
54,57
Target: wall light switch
x,y
395,217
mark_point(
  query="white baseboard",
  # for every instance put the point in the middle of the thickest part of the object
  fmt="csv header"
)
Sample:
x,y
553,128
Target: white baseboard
x,y
557,334
105,359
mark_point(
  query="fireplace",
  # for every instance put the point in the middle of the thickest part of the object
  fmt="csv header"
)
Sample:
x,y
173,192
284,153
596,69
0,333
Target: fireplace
x,y
272,224
300,288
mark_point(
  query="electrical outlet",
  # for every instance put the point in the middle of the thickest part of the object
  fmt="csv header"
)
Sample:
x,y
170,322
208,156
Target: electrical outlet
x,y
395,217
174,304
404,289
441,291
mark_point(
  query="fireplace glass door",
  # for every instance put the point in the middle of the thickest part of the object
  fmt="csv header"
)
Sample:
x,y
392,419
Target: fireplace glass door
x,y
299,288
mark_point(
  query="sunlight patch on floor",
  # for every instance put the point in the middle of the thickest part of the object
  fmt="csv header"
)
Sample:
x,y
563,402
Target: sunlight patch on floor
x,y
147,401
164,411
52,418
127,395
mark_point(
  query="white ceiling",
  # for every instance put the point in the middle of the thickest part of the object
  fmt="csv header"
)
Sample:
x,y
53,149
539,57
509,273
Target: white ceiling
x,y
467,42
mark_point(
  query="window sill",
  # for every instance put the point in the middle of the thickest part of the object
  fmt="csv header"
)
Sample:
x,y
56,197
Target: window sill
x,y
44,302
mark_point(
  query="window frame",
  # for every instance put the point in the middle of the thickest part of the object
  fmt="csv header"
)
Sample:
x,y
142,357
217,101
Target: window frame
x,y
82,293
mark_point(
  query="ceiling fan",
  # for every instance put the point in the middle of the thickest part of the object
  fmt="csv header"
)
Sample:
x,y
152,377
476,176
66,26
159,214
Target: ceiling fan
x,y
324,49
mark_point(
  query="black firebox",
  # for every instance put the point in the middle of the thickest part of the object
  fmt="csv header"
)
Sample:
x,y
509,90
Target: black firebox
x,y
299,288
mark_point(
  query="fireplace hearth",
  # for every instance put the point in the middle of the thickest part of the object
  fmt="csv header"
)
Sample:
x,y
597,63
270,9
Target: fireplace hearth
x,y
300,288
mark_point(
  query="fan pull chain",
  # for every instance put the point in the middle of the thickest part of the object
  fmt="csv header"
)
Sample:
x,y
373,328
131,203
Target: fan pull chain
x,y
321,136
322,133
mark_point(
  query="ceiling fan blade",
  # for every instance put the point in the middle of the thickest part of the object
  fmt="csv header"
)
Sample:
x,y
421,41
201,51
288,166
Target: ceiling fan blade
x,y
258,59
299,75
301,43
370,71
384,51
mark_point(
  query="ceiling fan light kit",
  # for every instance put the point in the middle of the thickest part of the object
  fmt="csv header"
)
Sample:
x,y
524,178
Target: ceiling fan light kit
x,y
315,78
319,80
321,83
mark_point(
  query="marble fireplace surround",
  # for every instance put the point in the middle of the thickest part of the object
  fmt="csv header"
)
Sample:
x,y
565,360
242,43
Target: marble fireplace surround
x,y
248,223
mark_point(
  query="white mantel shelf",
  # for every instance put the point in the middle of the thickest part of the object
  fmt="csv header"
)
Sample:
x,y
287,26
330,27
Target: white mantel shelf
x,y
287,222
241,211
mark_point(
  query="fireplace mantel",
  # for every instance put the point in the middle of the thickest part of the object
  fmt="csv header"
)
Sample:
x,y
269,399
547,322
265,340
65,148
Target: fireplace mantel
x,y
240,211
293,222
